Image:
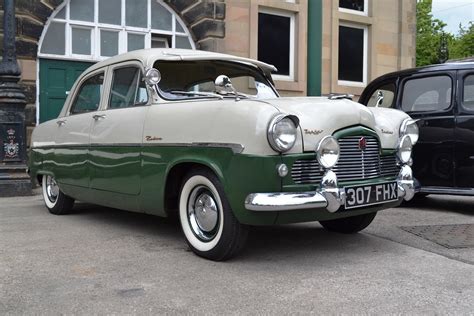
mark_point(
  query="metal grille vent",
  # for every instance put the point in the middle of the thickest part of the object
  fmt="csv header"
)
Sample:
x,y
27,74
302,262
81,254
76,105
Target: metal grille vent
x,y
353,164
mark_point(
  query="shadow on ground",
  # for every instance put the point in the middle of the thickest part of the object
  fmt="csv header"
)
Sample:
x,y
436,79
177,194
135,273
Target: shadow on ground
x,y
440,203
264,242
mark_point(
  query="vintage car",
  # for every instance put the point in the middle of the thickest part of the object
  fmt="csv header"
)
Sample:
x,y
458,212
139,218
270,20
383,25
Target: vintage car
x,y
441,99
206,136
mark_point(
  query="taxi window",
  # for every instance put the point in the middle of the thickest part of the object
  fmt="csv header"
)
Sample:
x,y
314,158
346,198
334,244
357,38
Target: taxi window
x,y
428,94
468,94
88,97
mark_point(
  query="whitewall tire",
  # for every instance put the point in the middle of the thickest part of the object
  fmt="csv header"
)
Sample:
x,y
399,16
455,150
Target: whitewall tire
x,y
208,223
55,200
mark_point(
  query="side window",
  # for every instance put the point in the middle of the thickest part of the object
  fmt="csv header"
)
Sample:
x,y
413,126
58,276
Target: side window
x,y
128,88
88,97
384,96
427,94
468,94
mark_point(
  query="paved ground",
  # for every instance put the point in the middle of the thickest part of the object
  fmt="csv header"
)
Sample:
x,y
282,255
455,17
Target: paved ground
x,y
100,260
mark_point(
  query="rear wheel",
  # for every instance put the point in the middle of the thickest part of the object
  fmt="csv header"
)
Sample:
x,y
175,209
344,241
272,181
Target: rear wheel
x,y
55,200
349,225
209,225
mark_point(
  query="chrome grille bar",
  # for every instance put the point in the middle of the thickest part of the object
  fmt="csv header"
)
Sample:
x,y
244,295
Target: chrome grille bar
x,y
353,164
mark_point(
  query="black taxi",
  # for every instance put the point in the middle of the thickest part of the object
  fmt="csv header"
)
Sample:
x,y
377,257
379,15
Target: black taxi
x,y
441,98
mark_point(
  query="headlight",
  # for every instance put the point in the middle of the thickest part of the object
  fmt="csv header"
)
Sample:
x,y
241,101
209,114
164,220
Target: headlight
x,y
282,132
327,152
404,149
410,128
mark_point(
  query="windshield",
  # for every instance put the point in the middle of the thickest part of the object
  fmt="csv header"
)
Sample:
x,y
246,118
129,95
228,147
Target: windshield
x,y
195,79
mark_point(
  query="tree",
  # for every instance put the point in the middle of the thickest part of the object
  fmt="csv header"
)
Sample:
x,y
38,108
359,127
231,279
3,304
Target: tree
x,y
462,45
429,32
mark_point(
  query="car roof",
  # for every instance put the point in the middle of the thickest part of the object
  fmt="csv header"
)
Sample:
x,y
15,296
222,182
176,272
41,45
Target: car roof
x,y
150,55
424,69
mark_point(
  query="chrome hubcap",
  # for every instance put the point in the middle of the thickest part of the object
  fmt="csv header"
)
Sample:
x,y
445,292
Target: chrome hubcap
x,y
52,189
203,213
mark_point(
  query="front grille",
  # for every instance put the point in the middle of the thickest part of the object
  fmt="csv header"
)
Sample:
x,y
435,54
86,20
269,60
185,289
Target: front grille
x,y
353,164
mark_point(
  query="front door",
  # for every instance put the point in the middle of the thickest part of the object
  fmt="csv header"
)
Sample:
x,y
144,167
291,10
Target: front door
x,y
464,131
56,78
430,99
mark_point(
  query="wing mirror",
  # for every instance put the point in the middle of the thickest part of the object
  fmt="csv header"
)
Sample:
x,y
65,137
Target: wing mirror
x,y
152,77
379,98
223,82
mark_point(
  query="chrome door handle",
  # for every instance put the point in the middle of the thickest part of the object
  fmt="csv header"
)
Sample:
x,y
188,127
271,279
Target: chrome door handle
x,y
99,117
61,122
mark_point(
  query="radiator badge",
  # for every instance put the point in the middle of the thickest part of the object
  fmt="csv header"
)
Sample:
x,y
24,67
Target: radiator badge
x,y
362,143
313,131
384,131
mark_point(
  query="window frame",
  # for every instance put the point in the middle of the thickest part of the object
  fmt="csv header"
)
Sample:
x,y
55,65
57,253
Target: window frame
x,y
365,58
292,59
108,91
97,26
363,13
77,88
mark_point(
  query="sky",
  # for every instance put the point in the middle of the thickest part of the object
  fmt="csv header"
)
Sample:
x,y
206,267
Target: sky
x,y
453,12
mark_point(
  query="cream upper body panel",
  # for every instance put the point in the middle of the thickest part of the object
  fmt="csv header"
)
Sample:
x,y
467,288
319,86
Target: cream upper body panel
x,y
227,122
320,116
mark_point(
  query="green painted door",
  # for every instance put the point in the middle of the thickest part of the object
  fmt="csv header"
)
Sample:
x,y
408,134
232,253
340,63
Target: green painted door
x,y
56,77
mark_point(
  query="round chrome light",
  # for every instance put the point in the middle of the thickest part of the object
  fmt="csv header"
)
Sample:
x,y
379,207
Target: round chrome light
x,y
152,76
404,149
282,170
327,152
410,128
282,133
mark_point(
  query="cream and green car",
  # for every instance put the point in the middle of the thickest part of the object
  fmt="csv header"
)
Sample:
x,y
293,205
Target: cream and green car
x,y
207,137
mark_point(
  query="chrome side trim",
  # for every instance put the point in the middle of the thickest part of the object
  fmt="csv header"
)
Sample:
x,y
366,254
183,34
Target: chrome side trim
x,y
236,148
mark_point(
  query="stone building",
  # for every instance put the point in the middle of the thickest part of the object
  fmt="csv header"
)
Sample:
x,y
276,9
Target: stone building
x,y
319,46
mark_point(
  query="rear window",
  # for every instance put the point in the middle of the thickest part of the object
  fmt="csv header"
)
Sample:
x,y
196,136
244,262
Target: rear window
x,y
427,94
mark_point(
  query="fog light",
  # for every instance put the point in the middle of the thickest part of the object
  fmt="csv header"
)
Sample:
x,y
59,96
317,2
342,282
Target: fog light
x,y
282,170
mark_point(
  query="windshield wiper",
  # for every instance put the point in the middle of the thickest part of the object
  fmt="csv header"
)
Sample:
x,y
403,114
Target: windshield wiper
x,y
202,94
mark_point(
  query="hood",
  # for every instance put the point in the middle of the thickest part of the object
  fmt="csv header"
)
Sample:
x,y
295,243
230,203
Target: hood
x,y
320,116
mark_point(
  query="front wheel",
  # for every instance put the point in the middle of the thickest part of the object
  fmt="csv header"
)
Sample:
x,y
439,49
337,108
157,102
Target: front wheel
x,y
349,225
55,200
209,225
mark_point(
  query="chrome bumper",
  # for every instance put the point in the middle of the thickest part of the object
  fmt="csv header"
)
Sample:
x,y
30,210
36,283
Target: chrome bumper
x,y
329,196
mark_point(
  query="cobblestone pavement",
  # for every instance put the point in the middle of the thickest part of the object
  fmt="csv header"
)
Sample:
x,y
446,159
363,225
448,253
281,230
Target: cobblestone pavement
x,y
98,260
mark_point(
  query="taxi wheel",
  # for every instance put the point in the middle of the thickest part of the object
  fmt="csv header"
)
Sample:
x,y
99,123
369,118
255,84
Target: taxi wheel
x,y
55,200
208,223
349,225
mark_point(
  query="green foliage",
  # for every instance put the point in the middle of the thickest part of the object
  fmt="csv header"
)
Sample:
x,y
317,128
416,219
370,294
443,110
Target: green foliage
x,y
462,45
430,33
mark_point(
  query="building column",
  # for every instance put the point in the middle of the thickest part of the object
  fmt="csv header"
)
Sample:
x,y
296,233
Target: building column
x,y
14,180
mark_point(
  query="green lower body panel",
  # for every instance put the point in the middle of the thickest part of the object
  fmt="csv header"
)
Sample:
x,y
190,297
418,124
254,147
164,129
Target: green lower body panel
x,y
135,178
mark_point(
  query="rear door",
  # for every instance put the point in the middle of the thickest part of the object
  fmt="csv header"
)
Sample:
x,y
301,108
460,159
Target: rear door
x,y
464,131
117,132
430,99
73,132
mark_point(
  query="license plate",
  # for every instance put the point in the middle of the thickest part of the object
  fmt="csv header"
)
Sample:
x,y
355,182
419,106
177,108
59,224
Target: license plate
x,y
365,195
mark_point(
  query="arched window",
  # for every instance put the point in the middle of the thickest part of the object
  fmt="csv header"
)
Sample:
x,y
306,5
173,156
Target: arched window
x,y
93,30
